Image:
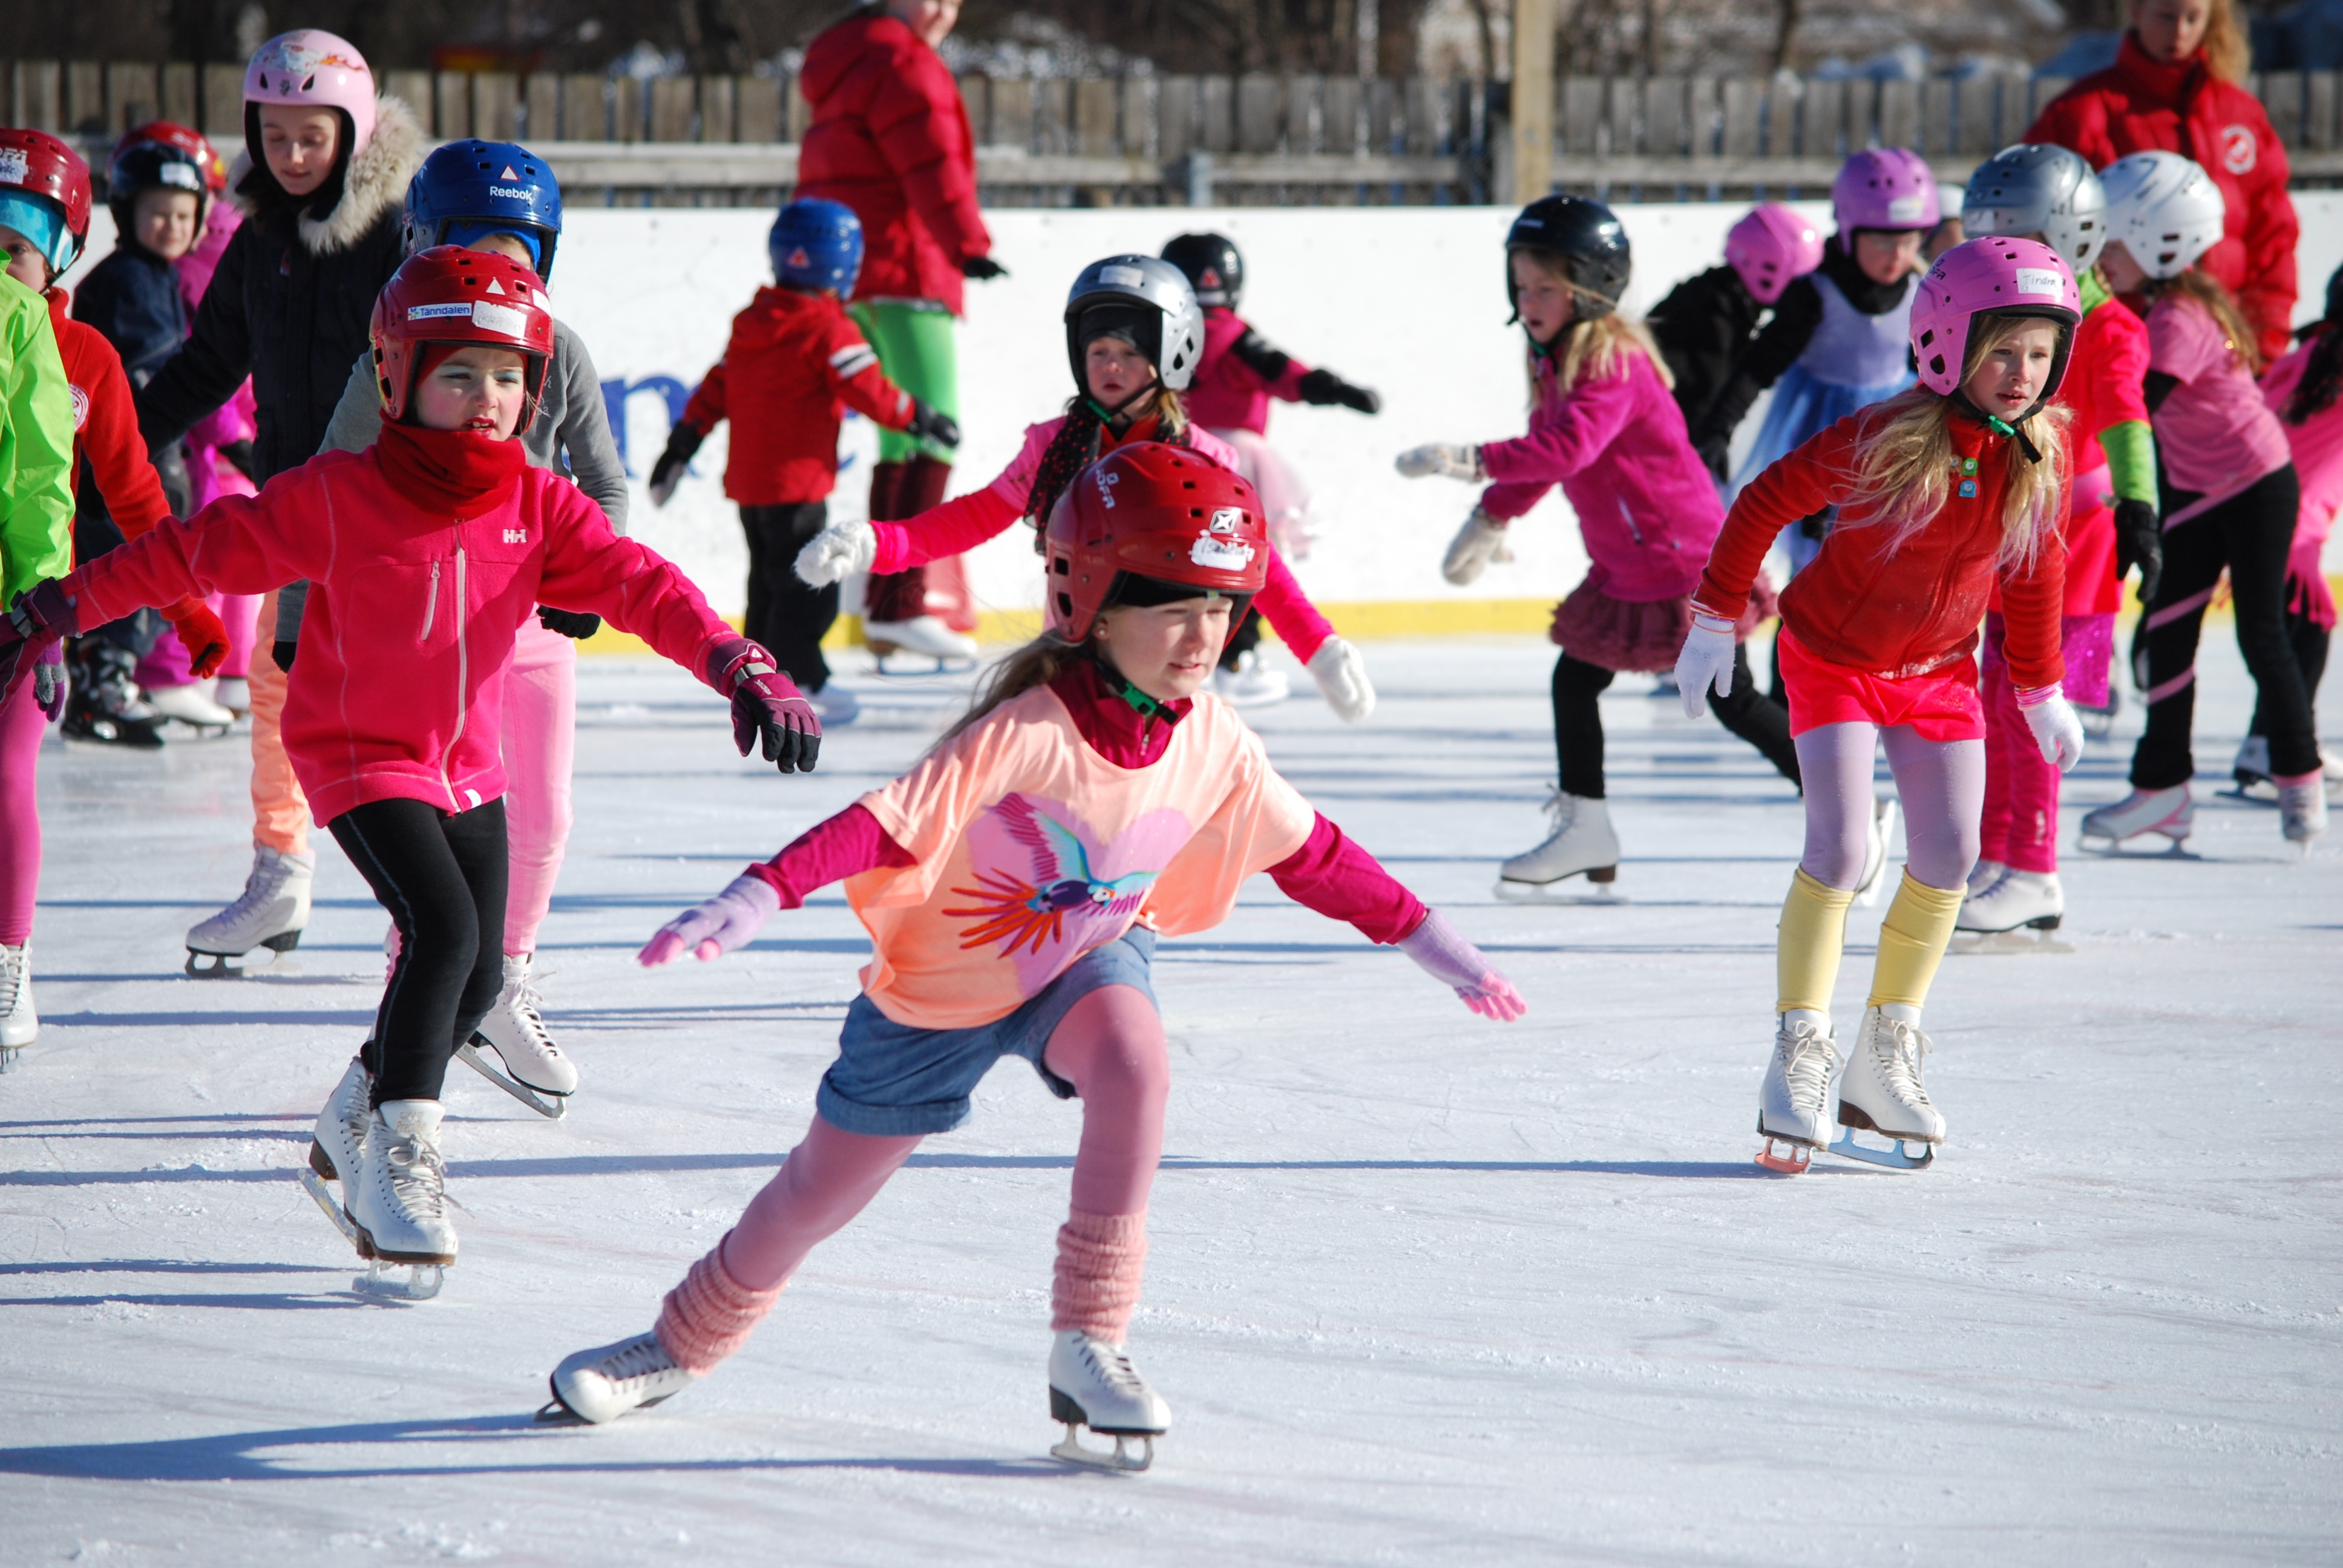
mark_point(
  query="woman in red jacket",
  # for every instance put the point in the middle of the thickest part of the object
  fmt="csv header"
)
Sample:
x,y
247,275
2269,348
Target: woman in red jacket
x,y
425,553
1944,491
889,138
2174,88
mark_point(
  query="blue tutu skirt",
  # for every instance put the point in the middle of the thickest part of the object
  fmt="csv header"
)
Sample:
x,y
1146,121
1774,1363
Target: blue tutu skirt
x,y
1804,406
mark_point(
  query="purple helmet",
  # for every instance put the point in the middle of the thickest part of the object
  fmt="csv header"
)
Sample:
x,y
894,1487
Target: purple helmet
x,y
1991,276
1885,187
317,69
1770,246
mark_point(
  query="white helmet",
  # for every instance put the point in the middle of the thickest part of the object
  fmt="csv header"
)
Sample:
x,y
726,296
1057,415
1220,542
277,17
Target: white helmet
x,y
1162,300
2166,209
2038,188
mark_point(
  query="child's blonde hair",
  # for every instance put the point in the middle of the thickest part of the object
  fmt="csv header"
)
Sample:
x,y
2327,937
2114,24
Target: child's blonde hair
x,y
1591,346
2207,291
1906,471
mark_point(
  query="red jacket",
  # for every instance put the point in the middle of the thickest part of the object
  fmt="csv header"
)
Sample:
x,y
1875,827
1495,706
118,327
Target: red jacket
x,y
1902,614
890,138
411,614
796,362
2140,106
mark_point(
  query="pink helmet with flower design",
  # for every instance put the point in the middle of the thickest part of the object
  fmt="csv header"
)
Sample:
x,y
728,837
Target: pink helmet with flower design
x,y
1991,276
316,69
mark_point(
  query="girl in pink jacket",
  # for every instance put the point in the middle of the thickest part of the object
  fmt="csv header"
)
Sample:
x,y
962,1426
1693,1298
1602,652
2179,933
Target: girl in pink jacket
x,y
1606,429
1133,335
1013,884
427,553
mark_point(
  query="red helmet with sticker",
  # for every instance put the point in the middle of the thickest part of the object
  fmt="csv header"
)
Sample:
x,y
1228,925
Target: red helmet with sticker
x,y
451,294
197,149
46,185
1151,513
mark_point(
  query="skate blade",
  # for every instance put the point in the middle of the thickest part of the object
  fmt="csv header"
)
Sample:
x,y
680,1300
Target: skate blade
x,y
553,1108
2023,942
553,1412
421,1283
316,1189
1599,888
272,956
8,1055
1119,1463
2113,848
897,666
1782,1155
1896,1159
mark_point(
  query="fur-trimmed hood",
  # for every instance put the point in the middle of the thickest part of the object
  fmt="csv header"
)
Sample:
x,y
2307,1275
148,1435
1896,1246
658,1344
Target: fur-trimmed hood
x,y
375,181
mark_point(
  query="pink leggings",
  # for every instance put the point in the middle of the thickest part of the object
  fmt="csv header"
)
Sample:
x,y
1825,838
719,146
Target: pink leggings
x,y
22,723
2020,820
541,744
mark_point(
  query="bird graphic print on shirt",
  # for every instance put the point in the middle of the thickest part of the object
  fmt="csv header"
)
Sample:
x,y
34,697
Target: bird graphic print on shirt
x,y
1047,892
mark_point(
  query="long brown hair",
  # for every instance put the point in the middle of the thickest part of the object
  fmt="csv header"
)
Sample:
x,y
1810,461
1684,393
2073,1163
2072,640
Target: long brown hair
x,y
2207,291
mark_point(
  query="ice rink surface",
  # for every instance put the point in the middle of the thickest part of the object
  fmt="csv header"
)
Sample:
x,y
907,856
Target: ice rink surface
x,y
1424,1289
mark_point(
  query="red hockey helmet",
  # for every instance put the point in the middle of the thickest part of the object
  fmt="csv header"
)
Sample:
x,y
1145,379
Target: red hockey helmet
x,y
194,144
1156,512
451,294
36,167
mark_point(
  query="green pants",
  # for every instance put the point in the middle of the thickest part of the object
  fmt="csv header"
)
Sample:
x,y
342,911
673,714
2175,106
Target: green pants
x,y
915,346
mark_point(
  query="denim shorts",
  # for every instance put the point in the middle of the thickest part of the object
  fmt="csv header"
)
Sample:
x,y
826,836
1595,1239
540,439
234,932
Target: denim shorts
x,y
892,1080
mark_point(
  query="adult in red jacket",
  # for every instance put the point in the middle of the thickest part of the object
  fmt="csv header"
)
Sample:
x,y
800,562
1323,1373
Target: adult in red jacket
x,y
2174,88
889,138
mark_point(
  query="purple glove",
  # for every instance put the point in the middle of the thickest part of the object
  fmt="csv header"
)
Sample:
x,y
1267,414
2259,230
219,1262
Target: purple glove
x,y
730,920
1449,958
44,616
49,683
765,703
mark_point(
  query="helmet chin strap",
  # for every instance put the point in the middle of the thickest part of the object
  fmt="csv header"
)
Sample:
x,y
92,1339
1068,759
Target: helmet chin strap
x,y
1120,684
1111,414
2000,426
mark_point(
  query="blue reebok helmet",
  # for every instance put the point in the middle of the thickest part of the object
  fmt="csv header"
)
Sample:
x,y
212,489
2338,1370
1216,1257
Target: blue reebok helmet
x,y
467,190
817,244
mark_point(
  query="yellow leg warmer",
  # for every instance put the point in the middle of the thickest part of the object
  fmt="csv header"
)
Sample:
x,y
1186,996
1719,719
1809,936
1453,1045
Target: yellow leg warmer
x,y
1912,942
1814,930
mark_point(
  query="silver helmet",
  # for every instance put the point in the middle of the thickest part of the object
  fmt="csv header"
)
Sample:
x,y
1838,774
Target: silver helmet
x,y
1162,293
2037,188
2166,209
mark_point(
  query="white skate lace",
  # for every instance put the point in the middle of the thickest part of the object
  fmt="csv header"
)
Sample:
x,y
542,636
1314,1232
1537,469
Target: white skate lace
x,y
1558,807
1809,1061
1897,1049
260,887
1114,1369
11,980
418,1178
525,1002
635,1359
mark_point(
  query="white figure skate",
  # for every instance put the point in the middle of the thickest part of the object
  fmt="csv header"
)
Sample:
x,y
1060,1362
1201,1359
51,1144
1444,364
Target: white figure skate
x,y
1251,684
607,1382
924,636
2252,768
535,1071
1998,919
271,912
19,1024
1093,1384
1582,844
2170,813
397,1207
234,693
1795,1105
2302,811
190,705
1881,1093
835,705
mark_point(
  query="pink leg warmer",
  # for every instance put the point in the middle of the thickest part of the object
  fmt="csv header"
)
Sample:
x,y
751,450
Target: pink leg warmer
x,y
21,724
2000,708
710,1314
826,1180
1110,1046
1101,1259
280,813
241,613
540,742
2021,790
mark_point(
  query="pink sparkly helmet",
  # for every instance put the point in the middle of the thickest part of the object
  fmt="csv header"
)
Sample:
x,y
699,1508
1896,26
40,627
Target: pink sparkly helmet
x,y
315,68
1770,246
1885,187
1991,276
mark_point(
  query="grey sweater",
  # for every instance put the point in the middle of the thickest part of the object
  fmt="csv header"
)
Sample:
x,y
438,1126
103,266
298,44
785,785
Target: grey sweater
x,y
570,419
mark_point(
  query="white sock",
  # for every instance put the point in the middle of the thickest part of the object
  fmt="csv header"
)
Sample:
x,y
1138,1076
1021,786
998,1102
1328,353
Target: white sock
x,y
1796,1015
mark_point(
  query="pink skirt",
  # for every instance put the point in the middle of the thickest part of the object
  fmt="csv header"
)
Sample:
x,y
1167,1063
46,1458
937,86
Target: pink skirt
x,y
1637,635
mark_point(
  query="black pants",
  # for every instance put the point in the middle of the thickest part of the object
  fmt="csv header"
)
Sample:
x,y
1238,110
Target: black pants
x,y
1246,639
2310,641
1578,721
785,614
2250,533
442,877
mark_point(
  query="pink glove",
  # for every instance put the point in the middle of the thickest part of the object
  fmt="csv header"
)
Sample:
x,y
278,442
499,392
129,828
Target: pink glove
x,y
730,920
1449,958
766,704
2056,729
2305,574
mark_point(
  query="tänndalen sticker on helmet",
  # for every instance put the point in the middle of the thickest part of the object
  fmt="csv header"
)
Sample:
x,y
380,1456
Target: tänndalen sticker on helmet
x,y
2040,280
504,318
1122,277
439,312
1906,208
1220,555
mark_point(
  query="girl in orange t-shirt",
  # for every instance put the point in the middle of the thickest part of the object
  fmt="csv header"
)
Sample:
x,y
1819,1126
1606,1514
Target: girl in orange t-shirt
x,y
1013,884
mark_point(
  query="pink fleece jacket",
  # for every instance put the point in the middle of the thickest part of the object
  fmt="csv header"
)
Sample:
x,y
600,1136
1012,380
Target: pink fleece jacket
x,y
1229,394
1616,445
2317,446
966,521
411,616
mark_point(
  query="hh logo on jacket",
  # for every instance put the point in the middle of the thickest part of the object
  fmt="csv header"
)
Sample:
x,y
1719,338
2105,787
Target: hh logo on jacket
x,y
516,536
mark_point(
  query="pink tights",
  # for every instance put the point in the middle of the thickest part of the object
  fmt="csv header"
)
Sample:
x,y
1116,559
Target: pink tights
x,y
2020,822
1110,1046
22,723
541,743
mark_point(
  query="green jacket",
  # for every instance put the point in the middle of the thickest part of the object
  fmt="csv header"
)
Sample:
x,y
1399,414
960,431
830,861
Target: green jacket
x,y
36,446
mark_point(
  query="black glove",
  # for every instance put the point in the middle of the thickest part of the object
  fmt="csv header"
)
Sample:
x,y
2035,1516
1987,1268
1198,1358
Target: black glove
x,y
982,267
281,654
932,425
1324,386
571,623
239,456
1716,453
2139,542
682,441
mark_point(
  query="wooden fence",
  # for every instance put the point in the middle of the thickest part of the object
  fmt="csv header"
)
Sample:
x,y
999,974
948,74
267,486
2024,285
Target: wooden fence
x,y
1158,139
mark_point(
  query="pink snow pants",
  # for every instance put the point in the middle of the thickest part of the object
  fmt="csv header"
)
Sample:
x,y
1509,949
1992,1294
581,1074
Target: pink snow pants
x,y
541,745
2020,823
21,724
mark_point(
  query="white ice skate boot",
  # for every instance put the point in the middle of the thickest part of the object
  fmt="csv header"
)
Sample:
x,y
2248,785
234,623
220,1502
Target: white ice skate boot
x,y
271,913
18,1022
190,705
1794,1107
1874,851
515,1031
1093,1384
2251,768
399,1202
337,1144
1581,843
2170,813
234,693
1984,875
607,1382
1251,684
1881,1093
2302,810
835,705
923,635
2032,899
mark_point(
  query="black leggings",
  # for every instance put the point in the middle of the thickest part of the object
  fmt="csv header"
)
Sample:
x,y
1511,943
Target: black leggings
x,y
442,878
2250,533
2310,641
785,614
1578,722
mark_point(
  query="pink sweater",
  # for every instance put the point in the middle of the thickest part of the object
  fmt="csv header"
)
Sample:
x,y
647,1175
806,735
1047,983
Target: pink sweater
x,y
966,521
1229,394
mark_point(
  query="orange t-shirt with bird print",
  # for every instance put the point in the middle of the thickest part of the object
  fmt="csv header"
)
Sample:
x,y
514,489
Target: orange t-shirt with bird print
x,y
1030,849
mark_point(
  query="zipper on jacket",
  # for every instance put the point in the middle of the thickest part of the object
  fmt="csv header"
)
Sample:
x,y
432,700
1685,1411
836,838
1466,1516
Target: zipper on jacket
x,y
463,660
1629,519
430,605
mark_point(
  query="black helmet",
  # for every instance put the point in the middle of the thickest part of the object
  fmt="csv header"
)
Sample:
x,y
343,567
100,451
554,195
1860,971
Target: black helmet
x,y
1588,237
1214,266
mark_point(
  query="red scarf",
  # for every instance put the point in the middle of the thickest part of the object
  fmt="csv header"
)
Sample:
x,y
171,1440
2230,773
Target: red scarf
x,y
450,472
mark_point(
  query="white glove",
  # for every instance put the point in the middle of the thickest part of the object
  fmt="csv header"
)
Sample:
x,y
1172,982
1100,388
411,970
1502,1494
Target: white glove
x,y
1706,662
1444,458
838,551
1342,677
1481,540
2056,729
